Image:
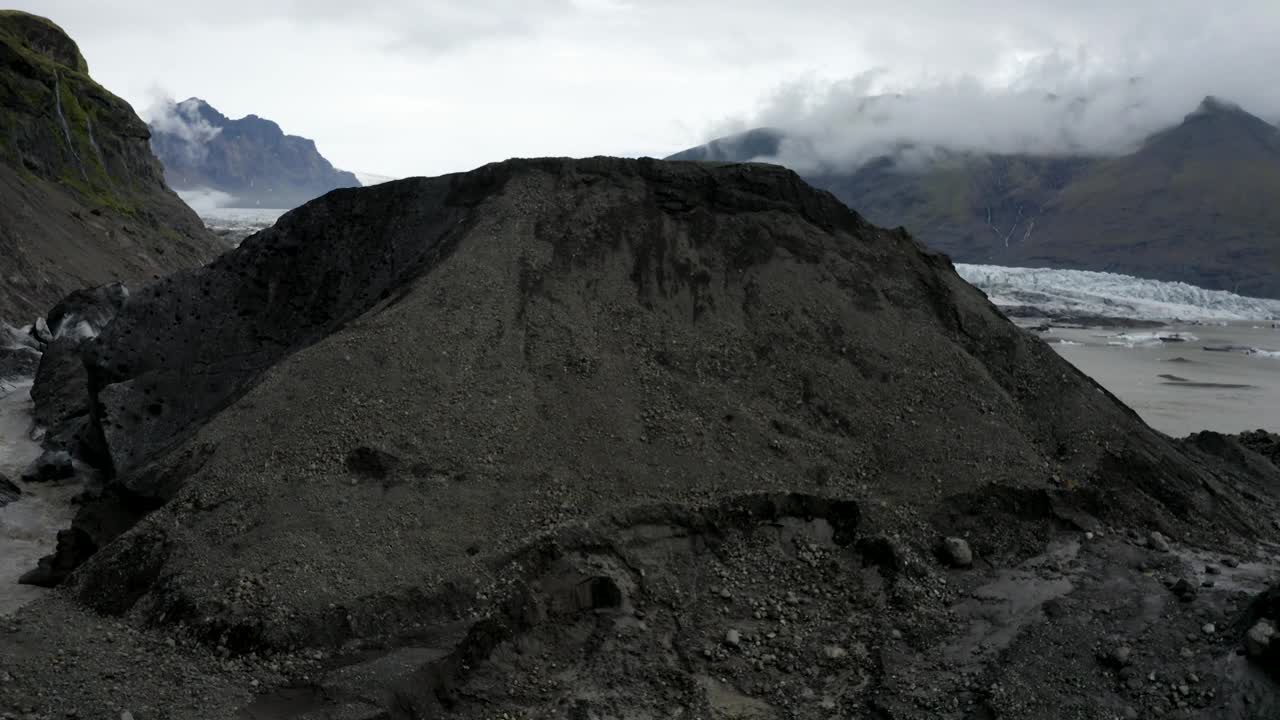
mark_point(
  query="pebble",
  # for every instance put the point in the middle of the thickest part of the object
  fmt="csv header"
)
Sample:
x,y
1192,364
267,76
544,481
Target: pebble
x,y
1122,655
1209,629
733,637
1157,541
1185,591
834,652
1259,637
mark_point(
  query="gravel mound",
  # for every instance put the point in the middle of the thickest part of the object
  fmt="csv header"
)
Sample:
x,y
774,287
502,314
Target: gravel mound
x,y
617,438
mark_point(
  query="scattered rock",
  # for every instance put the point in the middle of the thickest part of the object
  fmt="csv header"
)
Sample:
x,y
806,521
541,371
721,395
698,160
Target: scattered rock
x,y
1209,629
733,638
1156,541
1231,562
834,652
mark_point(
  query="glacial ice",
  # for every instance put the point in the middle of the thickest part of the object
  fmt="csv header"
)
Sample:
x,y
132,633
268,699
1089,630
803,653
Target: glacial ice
x,y
1113,295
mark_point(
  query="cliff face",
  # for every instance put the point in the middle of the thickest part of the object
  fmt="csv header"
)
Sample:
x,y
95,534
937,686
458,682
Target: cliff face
x,y
250,159
82,199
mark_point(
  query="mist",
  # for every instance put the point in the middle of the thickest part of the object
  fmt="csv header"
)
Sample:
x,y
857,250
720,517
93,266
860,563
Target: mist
x,y
1084,103
182,121
206,200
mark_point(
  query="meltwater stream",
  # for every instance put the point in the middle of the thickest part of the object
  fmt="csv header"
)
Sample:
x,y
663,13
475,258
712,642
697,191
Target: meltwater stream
x,y
29,525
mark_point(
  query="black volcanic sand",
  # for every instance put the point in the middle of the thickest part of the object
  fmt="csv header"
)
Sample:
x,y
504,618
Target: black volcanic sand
x,y
610,438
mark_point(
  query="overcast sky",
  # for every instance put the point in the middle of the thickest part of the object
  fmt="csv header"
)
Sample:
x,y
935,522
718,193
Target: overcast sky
x,y
404,87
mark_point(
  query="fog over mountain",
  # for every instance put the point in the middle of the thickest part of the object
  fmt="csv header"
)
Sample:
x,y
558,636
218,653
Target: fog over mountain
x,y
1048,104
418,88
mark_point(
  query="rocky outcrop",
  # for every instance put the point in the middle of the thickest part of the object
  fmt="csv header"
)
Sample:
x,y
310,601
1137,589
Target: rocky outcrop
x,y
82,199
693,431
250,160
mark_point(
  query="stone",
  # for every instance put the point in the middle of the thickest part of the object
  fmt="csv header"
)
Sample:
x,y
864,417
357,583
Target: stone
x,y
40,331
1209,629
53,465
1185,591
956,552
1259,638
834,652
733,638
1121,656
1156,541
1231,562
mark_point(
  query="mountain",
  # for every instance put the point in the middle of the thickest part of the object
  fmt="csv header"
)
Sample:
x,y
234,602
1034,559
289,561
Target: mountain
x,y
602,437
250,160
82,199
1196,203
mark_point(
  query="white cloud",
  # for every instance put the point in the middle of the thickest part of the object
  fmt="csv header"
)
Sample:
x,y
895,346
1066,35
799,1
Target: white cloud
x,y
422,87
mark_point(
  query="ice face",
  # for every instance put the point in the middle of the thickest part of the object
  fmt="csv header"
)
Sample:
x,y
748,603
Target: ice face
x,y
1113,295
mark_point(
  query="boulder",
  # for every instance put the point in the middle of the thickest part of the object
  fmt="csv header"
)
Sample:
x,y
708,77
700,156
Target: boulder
x,y
84,313
61,388
51,466
956,552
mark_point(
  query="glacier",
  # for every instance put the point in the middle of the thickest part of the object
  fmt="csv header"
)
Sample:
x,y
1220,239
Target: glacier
x,y
1085,293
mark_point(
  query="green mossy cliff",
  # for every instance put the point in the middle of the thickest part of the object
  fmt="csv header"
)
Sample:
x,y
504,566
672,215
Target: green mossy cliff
x,y
82,199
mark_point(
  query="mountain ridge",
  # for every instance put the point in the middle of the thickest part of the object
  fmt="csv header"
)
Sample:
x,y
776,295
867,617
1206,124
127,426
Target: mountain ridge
x,y
251,159
1193,203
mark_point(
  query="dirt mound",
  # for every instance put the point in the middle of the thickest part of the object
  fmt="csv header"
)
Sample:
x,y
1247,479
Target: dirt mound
x,y
494,406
